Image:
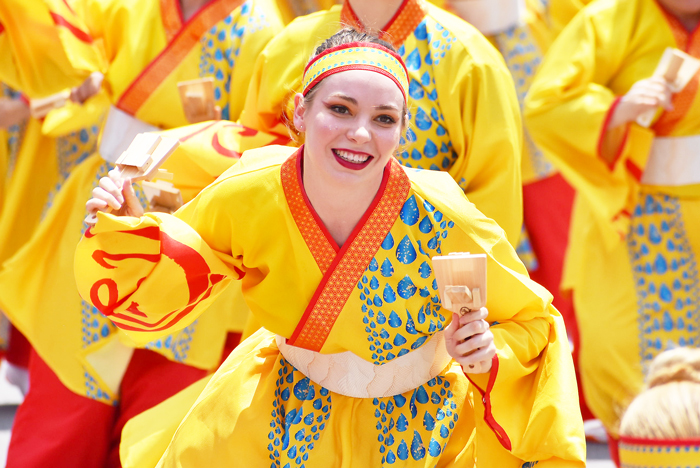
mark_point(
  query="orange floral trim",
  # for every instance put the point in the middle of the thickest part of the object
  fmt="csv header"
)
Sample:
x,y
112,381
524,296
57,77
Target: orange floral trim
x,y
172,17
396,31
176,51
682,101
352,260
320,243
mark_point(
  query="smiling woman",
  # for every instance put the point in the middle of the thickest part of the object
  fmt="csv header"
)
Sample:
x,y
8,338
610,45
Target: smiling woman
x,y
357,360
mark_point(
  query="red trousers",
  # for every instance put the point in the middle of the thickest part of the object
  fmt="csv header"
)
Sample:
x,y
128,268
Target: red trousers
x,y
547,207
58,428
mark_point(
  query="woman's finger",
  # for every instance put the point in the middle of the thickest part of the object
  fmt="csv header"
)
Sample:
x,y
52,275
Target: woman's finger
x,y
131,200
471,329
109,185
111,200
474,343
479,314
94,205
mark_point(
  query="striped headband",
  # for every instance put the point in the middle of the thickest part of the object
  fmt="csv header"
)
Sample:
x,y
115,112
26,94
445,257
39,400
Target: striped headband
x,y
659,453
356,56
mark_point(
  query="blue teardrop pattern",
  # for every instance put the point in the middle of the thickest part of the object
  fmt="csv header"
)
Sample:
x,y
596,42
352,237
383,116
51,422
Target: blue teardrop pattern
x,y
401,311
416,425
71,150
301,409
523,58
428,144
175,346
665,274
221,46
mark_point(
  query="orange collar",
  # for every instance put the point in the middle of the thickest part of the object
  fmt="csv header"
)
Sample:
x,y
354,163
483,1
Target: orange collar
x,y
400,26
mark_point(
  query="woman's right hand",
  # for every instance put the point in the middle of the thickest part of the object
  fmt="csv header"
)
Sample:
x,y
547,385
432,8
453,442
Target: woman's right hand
x,y
644,96
117,194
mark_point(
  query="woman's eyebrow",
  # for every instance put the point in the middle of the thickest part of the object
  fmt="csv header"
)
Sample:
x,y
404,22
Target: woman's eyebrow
x,y
344,97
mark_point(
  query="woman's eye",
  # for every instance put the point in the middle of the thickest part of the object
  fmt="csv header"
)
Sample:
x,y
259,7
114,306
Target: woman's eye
x,y
386,119
338,109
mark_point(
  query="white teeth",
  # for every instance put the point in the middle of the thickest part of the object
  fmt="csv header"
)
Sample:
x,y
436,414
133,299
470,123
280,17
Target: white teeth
x,y
351,157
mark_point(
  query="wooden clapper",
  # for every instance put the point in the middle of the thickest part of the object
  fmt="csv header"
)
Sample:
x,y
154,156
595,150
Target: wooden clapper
x,y
142,160
39,108
461,279
677,68
198,100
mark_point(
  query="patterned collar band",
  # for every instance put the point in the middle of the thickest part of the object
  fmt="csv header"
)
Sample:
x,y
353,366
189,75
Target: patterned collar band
x,y
356,56
659,453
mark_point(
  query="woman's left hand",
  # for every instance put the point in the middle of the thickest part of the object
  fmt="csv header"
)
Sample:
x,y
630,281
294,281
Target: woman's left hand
x,y
470,342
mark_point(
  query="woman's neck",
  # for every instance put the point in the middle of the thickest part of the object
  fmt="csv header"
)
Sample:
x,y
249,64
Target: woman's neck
x,y
340,207
375,14
190,7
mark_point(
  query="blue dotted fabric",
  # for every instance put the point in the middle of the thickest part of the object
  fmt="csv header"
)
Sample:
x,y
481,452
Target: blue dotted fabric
x,y
71,150
666,276
14,134
427,145
176,346
523,58
413,426
387,284
220,47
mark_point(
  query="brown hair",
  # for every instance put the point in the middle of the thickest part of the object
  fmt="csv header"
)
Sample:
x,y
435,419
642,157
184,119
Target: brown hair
x,y
669,407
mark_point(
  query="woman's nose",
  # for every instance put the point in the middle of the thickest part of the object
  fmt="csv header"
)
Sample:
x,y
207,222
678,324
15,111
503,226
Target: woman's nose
x,y
360,133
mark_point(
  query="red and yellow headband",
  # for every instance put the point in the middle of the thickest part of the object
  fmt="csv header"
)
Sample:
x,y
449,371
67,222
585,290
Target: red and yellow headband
x,y
656,453
356,56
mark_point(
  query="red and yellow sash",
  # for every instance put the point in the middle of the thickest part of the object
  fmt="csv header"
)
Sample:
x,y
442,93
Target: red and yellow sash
x,y
182,43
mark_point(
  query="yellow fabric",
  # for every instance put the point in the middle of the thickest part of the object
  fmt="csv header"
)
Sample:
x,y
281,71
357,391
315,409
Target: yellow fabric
x,y
563,11
290,9
457,97
146,436
88,356
51,58
645,238
393,309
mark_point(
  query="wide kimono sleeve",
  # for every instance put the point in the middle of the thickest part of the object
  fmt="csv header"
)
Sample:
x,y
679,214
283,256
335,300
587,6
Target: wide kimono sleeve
x,y
571,101
155,274
527,405
58,54
481,111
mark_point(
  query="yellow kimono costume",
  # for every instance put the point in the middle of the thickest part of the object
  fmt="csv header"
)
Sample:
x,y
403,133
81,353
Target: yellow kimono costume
x,y
57,55
374,299
634,238
149,50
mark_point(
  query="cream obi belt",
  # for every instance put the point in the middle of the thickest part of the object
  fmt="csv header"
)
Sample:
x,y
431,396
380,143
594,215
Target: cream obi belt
x,y
350,375
490,16
673,161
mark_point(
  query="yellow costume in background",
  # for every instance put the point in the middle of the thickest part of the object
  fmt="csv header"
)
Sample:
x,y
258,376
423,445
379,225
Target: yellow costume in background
x,y
258,407
149,50
459,89
57,55
632,256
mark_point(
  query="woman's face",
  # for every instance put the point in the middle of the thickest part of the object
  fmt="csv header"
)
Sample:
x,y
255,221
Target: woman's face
x,y
353,125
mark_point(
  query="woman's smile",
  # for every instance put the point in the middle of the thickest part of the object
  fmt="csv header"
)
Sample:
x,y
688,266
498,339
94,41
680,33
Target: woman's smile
x,y
352,159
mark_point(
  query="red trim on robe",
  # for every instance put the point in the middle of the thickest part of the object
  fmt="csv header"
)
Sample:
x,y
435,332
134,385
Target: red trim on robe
x,y
604,130
77,32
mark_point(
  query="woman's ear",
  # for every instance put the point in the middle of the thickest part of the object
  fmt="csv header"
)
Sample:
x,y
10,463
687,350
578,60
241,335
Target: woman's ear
x,y
299,111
